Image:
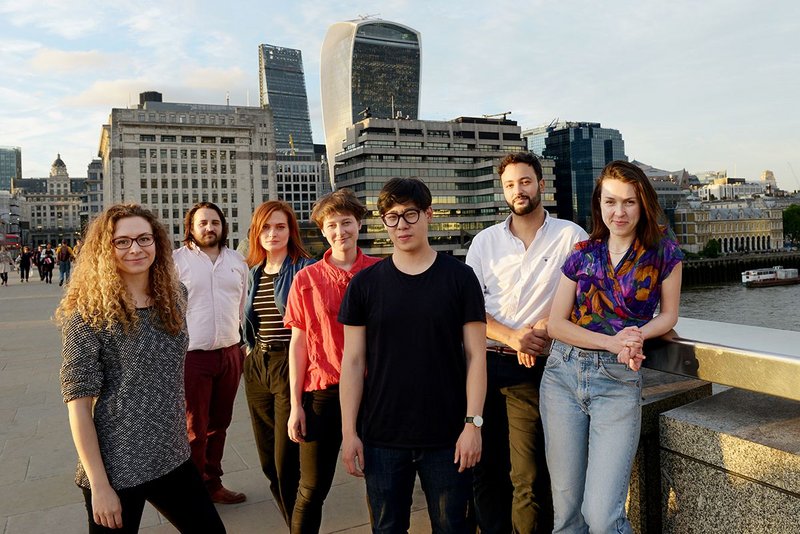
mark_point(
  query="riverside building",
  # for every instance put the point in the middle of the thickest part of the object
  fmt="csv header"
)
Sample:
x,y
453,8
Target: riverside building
x,y
169,156
456,159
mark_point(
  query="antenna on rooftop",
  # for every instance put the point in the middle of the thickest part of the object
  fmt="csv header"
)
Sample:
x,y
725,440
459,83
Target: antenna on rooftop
x,y
368,17
497,115
227,98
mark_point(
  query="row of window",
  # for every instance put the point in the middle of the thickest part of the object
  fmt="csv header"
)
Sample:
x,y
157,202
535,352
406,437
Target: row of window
x,y
187,139
186,169
184,197
186,153
165,183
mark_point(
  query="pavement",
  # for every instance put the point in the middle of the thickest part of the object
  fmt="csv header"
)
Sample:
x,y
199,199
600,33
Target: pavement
x,y
38,458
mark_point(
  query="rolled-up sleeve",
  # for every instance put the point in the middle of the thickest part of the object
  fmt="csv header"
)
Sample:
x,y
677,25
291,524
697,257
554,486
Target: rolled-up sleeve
x,y
81,368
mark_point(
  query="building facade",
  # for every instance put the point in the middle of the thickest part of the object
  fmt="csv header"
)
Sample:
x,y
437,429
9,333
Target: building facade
x,y
751,225
52,206
580,151
368,68
10,166
456,159
92,202
169,156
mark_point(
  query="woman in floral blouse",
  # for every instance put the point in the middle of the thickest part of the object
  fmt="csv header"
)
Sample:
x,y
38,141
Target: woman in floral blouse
x,y
602,313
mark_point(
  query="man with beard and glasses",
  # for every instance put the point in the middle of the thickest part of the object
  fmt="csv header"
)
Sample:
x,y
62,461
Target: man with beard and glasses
x,y
216,278
518,264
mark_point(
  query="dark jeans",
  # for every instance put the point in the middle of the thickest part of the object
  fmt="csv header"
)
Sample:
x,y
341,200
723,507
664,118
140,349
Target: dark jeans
x,y
48,273
63,270
24,272
180,497
390,475
513,442
266,380
212,379
318,456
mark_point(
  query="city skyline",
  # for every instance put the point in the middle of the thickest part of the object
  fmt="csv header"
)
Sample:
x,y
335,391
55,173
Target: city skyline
x,y
701,87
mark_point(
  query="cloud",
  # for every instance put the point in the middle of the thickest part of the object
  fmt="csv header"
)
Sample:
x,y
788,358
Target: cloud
x,y
108,94
49,60
70,20
214,79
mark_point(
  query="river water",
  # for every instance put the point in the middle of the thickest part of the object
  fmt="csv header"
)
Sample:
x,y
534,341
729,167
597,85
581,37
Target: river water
x,y
770,307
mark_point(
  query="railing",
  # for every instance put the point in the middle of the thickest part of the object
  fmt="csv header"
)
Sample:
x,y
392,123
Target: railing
x,y
758,359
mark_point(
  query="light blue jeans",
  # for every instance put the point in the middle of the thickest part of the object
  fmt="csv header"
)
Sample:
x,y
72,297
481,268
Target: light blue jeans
x,y
591,412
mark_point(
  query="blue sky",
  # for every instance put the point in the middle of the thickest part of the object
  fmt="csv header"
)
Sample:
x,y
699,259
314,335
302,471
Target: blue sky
x,y
708,85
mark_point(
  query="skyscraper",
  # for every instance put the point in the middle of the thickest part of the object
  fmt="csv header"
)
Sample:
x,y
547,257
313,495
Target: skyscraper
x,y
282,86
367,68
580,150
10,166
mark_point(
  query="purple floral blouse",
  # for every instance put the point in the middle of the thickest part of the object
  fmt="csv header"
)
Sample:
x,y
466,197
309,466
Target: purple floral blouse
x,y
610,298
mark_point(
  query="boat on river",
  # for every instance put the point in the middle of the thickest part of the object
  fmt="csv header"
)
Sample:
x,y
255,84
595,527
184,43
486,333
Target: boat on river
x,y
773,276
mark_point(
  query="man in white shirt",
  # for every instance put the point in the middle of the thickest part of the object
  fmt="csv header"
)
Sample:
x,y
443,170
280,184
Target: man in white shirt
x,y
216,278
518,263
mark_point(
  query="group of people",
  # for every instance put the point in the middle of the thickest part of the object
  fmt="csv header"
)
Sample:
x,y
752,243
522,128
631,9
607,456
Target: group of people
x,y
413,365
44,258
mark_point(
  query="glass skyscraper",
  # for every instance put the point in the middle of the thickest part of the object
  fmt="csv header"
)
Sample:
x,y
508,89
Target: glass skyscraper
x,y
10,166
282,85
580,151
368,68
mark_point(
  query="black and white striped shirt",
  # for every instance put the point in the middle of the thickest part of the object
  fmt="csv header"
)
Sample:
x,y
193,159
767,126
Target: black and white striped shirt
x,y
270,321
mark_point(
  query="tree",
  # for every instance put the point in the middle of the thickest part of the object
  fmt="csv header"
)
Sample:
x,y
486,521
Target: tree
x,y
791,223
712,249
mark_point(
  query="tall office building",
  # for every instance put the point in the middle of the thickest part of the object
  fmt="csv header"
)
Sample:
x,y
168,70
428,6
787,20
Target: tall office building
x,y
456,159
10,166
368,68
168,156
580,151
282,86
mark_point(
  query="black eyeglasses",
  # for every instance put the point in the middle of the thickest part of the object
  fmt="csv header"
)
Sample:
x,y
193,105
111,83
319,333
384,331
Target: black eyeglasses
x,y
144,240
392,219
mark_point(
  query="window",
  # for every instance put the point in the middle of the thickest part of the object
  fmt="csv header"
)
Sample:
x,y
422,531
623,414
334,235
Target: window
x,y
167,138
226,140
207,139
147,137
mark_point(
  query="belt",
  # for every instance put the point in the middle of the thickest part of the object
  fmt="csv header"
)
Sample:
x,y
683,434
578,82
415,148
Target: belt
x,y
276,346
502,350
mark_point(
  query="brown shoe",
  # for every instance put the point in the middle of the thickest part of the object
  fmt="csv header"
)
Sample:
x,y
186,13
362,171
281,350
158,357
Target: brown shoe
x,y
226,496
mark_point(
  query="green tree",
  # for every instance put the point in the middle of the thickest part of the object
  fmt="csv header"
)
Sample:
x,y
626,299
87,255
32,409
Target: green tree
x,y
712,249
791,223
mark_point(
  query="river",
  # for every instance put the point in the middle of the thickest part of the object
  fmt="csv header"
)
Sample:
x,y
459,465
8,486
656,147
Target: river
x,y
770,307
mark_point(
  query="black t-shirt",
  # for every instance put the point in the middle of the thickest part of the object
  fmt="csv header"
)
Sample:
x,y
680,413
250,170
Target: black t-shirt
x,y
415,388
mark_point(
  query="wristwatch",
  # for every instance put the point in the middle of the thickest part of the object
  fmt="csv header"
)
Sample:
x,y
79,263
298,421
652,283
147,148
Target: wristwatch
x,y
476,420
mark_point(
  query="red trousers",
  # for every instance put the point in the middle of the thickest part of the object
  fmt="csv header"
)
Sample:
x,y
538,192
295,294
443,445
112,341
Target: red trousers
x,y
212,379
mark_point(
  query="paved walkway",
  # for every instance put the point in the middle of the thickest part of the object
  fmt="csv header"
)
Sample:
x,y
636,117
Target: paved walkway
x,y
37,457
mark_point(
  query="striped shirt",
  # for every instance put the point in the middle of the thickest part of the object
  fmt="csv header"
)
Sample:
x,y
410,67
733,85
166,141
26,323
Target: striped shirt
x,y
269,319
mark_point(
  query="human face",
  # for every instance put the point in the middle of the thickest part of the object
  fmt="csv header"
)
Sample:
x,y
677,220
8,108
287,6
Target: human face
x,y
521,188
206,228
134,261
274,236
620,207
341,231
409,237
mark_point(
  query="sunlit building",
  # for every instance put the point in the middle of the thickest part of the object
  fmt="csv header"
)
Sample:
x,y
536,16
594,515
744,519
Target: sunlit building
x,y
10,166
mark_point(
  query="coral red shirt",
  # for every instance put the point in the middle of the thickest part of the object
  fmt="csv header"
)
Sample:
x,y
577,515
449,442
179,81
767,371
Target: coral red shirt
x,y
313,305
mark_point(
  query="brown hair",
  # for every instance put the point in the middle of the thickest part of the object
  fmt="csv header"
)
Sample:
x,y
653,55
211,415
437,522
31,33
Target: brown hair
x,y
648,230
188,222
526,158
257,254
97,292
340,201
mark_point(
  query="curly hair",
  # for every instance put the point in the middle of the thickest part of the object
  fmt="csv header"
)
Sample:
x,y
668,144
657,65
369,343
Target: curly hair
x,y
96,290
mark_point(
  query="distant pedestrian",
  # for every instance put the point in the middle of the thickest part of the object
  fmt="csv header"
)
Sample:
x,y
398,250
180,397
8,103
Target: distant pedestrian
x,y
38,256
64,256
6,264
25,260
124,336
48,264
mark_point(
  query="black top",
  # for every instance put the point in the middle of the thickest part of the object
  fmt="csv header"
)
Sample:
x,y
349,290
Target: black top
x,y
415,387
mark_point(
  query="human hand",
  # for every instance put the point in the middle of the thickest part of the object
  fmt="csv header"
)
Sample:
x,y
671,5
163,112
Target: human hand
x,y
632,359
530,341
353,455
106,508
630,337
468,448
297,424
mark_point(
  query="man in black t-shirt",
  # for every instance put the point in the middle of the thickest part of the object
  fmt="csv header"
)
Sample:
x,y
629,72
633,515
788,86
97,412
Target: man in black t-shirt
x,y
414,365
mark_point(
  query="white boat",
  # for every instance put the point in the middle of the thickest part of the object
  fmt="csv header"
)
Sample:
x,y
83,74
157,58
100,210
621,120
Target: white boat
x,y
773,276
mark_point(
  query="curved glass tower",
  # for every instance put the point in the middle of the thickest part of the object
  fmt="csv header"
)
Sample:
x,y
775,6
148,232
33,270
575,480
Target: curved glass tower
x,y
367,68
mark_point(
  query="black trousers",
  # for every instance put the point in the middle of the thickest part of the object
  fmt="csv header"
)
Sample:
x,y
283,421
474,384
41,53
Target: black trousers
x,y
318,456
266,381
511,484
180,496
24,272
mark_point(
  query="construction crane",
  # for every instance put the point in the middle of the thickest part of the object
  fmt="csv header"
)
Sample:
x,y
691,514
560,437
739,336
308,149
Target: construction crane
x,y
496,115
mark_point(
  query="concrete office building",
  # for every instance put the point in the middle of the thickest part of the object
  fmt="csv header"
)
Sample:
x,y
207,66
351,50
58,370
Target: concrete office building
x,y
92,202
456,159
10,166
168,156
580,150
368,68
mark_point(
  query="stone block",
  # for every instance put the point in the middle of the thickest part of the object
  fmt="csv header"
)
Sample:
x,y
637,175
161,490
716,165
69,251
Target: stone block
x,y
731,463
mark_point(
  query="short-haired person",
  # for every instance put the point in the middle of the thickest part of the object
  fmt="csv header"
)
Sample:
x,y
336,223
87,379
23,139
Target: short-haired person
x,y
518,265
64,255
603,311
216,278
315,353
415,339
124,342
275,256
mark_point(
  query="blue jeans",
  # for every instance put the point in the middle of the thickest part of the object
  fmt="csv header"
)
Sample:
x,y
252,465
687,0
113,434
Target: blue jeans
x,y
591,411
63,269
390,475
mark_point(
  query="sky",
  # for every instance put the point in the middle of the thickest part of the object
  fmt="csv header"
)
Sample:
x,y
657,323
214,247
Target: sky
x,y
704,86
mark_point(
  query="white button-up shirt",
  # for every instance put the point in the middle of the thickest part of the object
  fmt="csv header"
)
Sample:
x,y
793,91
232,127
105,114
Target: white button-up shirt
x,y
519,284
216,296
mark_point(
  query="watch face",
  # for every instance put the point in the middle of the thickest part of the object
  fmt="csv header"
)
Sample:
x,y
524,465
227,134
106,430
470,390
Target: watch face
x,y
477,421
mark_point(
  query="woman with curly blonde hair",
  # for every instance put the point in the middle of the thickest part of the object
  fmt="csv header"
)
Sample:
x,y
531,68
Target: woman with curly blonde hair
x,y
124,343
